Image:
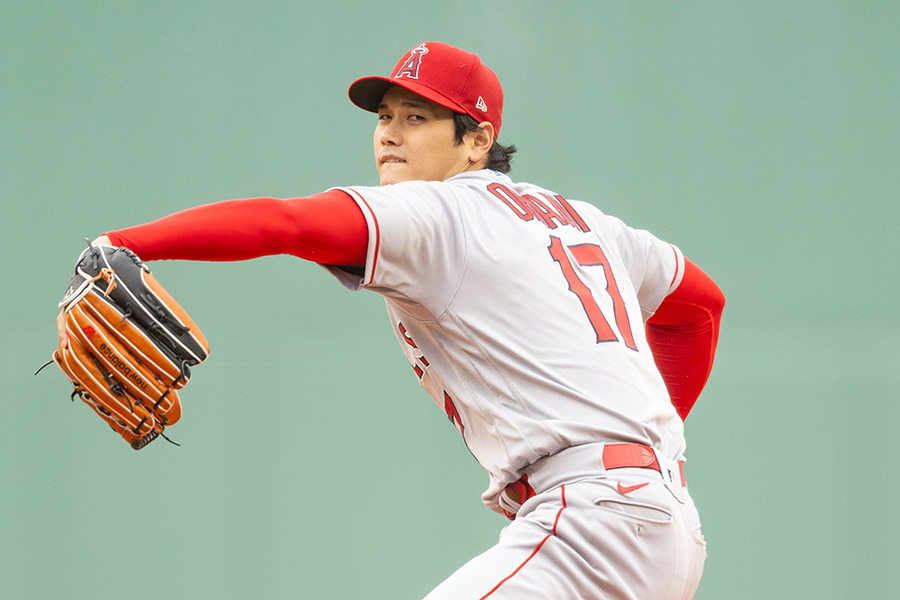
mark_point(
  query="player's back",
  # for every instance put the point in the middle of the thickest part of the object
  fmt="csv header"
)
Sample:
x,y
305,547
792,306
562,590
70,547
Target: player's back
x,y
548,315
521,315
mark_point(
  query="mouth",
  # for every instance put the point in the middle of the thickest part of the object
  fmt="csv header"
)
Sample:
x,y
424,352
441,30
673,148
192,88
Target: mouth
x,y
391,160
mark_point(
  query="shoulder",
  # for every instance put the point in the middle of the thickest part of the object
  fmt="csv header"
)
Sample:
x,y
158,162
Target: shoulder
x,y
426,196
474,179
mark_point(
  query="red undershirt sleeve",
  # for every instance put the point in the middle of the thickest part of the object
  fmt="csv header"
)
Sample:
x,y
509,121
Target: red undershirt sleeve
x,y
683,334
327,228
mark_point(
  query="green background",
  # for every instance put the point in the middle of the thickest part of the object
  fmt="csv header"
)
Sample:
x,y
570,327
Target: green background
x,y
761,137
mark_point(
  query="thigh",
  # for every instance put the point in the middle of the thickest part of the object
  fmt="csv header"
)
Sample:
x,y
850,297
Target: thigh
x,y
586,541
527,563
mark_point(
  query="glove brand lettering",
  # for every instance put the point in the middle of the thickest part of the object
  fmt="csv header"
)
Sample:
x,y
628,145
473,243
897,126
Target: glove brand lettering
x,y
122,367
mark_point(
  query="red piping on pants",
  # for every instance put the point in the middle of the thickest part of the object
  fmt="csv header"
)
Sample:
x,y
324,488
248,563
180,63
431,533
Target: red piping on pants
x,y
536,550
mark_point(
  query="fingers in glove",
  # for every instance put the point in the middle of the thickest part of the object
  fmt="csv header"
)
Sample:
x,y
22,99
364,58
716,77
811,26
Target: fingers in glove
x,y
196,348
125,344
120,274
123,414
117,406
123,371
138,436
105,316
136,374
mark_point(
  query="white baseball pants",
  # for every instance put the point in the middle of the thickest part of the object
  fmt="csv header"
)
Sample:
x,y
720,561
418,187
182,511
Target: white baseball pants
x,y
624,535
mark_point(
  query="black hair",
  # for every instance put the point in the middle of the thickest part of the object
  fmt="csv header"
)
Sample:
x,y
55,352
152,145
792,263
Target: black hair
x,y
499,156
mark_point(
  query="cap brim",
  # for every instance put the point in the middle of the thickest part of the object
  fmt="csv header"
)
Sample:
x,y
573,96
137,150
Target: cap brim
x,y
367,93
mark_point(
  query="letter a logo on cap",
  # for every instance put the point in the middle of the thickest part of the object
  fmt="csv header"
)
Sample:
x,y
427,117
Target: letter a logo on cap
x,y
410,69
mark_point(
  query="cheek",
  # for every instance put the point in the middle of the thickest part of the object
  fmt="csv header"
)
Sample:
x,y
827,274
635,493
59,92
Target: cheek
x,y
438,150
445,156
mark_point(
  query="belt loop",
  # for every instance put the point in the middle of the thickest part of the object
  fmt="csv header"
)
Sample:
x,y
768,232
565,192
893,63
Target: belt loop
x,y
665,468
672,471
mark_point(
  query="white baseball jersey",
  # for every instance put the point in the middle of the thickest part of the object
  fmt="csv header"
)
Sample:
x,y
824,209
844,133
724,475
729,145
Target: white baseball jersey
x,y
522,315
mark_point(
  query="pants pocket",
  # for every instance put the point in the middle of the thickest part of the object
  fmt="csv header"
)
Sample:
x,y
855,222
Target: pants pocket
x,y
650,514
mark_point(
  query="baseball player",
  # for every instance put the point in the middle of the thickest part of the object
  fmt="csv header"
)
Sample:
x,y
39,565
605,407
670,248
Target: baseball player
x,y
565,346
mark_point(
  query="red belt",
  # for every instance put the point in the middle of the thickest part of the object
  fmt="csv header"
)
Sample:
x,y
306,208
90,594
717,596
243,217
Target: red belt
x,y
619,456
615,456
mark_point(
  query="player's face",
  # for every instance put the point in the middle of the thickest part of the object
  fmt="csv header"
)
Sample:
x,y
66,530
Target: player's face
x,y
415,140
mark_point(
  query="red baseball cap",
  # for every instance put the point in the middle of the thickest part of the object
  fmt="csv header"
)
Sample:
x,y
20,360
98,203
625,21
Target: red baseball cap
x,y
444,74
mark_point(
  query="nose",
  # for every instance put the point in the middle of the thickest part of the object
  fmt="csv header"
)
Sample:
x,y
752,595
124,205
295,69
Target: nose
x,y
388,134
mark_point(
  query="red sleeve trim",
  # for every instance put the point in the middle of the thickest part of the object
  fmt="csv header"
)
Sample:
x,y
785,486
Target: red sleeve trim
x,y
371,212
677,267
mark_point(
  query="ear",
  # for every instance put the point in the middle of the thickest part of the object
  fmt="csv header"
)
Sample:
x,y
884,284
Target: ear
x,y
481,142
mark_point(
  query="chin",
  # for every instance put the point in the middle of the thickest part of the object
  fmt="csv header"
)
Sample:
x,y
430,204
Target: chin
x,y
391,179
389,174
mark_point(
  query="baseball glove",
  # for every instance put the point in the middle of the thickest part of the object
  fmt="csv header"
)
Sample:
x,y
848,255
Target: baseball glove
x,y
131,345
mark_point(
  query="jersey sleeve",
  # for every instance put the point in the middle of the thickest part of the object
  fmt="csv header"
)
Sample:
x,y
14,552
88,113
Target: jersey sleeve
x,y
654,266
417,244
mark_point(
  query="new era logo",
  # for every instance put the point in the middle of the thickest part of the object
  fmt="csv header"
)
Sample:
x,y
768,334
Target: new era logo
x,y
480,105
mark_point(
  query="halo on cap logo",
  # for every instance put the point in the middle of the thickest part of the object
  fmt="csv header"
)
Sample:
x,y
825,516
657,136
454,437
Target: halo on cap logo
x,y
410,68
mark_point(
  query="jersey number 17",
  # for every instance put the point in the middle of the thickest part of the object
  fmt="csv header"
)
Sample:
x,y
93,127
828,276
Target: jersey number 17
x,y
591,255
